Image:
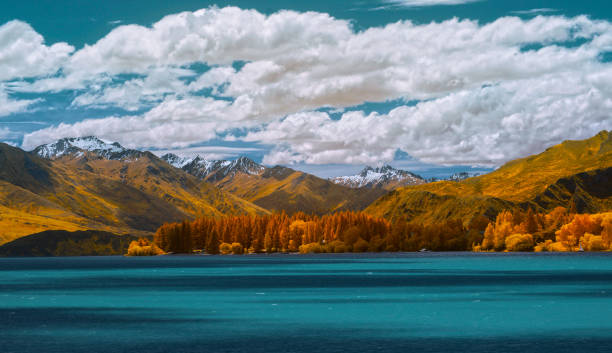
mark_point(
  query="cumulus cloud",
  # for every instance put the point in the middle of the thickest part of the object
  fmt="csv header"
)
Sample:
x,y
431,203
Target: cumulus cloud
x,y
136,93
215,36
298,62
173,123
488,92
23,52
485,126
10,106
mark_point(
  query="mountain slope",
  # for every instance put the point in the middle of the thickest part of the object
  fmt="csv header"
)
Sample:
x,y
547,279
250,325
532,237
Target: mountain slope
x,y
523,182
385,177
116,190
278,188
588,192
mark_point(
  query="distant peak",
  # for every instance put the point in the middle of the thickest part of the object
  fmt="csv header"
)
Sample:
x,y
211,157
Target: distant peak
x,y
77,146
246,165
379,177
177,161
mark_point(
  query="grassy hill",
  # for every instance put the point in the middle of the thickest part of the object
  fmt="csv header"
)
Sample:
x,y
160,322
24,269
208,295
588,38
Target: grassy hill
x,y
284,189
543,181
86,191
276,188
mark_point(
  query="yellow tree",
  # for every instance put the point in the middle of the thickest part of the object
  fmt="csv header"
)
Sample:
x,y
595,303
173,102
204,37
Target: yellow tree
x,y
488,242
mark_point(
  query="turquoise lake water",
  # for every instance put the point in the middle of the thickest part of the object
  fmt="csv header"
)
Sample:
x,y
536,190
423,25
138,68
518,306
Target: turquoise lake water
x,y
430,302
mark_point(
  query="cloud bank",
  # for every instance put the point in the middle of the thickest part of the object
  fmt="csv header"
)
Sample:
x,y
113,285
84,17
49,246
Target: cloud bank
x,y
486,93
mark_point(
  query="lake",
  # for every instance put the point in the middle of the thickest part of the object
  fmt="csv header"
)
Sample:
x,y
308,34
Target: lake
x,y
401,302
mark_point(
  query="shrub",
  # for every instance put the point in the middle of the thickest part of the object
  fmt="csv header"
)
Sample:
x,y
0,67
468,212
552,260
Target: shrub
x,y
237,249
311,248
544,246
142,247
225,248
376,244
549,245
292,246
592,242
336,246
519,242
360,246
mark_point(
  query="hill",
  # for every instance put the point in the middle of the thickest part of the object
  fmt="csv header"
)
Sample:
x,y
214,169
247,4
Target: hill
x,y
277,188
64,243
89,184
571,174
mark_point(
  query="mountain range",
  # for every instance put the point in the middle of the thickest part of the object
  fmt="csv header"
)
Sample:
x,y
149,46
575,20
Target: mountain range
x,y
90,184
86,184
276,188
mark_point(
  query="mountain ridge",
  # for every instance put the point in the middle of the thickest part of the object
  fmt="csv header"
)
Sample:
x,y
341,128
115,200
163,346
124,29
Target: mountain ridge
x,y
80,189
276,188
520,183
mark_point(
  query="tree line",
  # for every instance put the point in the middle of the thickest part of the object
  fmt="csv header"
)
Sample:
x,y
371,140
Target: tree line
x,y
558,230
300,232
512,230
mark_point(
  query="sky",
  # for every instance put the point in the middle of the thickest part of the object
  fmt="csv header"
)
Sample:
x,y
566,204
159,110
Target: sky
x,y
432,86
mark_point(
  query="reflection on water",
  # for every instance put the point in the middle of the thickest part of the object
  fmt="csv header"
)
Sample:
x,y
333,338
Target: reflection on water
x,y
325,303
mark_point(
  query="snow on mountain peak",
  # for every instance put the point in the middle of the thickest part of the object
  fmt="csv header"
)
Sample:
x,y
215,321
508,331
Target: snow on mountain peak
x,y
246,165
176,161
380,177
76,146
215,169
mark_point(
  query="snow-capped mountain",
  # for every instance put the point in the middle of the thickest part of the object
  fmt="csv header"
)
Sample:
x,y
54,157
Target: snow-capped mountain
x,y
214,170
79,146
276,188
176,161
462,176
385,177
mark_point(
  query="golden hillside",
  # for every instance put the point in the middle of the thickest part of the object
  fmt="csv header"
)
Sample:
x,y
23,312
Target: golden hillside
x,y
519,182
284,189
87,191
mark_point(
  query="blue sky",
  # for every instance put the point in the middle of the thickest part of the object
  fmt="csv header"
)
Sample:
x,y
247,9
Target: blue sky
x,y
434,86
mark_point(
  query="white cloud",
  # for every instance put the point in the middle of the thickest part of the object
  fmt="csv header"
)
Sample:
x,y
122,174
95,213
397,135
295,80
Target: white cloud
x,y
136,93
173,123
209,152
483,94
215,36
5,133
10,106
302,61
23,52
485,126
534,11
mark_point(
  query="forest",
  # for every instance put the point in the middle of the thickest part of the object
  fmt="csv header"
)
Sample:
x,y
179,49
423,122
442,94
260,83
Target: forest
x,y
558,230
512,230
334,233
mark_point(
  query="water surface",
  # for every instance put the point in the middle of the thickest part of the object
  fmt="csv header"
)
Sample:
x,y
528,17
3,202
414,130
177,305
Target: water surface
x,y
431,302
